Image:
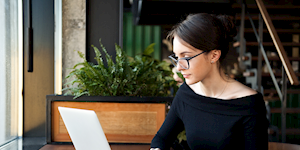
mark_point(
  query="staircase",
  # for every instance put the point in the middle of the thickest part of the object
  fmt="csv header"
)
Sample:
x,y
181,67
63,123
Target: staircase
x,y
285,17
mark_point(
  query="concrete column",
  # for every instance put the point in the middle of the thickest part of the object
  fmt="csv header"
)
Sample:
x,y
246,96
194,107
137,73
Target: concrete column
x,y
73,33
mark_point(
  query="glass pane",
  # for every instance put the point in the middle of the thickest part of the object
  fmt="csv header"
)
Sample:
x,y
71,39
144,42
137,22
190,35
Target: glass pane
x,y
9,67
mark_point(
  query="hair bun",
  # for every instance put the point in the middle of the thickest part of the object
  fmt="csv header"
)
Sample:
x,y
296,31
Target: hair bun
x,y
229,27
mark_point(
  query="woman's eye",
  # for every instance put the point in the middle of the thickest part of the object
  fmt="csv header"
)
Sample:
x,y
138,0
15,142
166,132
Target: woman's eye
x,y
183,56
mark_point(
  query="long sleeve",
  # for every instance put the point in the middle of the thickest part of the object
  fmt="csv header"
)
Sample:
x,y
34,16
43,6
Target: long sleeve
x,y
168,131
256,132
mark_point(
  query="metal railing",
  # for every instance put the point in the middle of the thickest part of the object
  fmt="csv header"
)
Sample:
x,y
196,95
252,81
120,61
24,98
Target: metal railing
x,y
286,69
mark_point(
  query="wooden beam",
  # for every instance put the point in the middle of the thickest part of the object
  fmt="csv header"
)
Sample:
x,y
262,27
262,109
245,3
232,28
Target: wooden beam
x,y
281,52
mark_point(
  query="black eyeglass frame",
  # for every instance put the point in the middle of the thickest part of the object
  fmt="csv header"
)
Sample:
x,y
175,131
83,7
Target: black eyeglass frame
x,y
185,58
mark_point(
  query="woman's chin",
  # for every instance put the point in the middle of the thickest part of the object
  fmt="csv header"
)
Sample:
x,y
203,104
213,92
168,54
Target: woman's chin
x,y
190,82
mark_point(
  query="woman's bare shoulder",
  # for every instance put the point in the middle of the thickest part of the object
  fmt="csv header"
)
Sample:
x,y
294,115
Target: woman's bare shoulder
x,y
239,90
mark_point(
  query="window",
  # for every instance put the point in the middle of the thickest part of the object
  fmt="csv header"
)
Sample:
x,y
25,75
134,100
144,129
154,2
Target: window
x,y
10,78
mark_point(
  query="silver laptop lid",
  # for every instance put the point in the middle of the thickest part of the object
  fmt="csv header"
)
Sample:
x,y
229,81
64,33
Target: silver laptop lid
x,y
84,129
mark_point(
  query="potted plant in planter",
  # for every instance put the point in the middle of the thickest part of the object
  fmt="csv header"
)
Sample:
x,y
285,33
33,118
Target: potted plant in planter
x,y
129,95
127,76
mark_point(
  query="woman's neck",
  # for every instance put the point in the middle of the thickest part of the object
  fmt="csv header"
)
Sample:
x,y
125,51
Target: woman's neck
x,y
214,86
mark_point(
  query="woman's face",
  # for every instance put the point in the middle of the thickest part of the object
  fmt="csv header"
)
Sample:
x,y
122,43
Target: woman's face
x,y
199,66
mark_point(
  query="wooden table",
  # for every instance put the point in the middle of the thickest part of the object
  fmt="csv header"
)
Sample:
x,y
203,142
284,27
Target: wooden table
x,y
272,146
113,147
283,146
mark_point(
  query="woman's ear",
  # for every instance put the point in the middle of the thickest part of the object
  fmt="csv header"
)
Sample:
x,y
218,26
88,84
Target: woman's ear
x,y
215,55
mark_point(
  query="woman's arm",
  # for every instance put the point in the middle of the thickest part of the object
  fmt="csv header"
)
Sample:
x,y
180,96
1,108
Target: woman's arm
x,y
256,132
168,131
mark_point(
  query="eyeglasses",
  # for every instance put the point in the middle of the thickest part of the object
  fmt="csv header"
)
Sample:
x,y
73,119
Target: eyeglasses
x,y
183,62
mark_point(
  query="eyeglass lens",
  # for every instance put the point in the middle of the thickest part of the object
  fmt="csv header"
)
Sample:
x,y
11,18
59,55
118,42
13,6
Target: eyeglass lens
x,y
182,62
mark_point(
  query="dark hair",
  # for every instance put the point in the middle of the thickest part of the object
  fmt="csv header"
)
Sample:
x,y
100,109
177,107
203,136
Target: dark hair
x,y
206,32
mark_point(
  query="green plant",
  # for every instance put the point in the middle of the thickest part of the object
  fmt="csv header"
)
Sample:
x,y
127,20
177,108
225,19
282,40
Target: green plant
x,y
139,76
181,136
180,75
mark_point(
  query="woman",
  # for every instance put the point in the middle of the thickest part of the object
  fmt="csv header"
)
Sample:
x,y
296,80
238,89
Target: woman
x,y
216,111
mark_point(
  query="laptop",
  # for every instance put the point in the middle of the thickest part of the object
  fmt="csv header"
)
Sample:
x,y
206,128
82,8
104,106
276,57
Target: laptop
x,y
84,129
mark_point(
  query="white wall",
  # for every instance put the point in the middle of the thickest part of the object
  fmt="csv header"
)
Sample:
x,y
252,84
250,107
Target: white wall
x,y
2,72
12,73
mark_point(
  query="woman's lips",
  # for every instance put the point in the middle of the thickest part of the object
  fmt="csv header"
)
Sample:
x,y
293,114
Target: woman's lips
x,y
186,75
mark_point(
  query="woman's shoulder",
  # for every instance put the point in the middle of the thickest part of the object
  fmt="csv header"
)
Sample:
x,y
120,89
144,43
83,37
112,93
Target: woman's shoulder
x,y
239,90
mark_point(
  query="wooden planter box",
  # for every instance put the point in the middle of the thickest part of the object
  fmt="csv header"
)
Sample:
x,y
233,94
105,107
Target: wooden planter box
x,y
123,119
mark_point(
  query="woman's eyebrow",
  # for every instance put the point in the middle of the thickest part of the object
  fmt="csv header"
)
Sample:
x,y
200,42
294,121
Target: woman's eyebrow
x,y
183,53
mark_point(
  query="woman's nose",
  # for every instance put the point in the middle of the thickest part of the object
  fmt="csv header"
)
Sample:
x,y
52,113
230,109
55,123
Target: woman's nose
x,y
179,68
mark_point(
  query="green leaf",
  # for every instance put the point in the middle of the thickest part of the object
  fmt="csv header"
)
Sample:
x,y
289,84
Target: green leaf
x,y
149,50
180,75
181,136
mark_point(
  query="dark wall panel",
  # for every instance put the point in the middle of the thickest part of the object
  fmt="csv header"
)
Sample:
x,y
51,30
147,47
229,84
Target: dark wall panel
x,y
39,82
103,19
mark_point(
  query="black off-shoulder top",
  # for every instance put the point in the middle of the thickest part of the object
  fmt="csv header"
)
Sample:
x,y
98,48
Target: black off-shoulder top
x,y
215,124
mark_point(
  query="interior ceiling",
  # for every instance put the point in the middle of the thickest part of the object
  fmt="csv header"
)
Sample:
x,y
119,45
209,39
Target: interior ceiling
x,y
170,12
